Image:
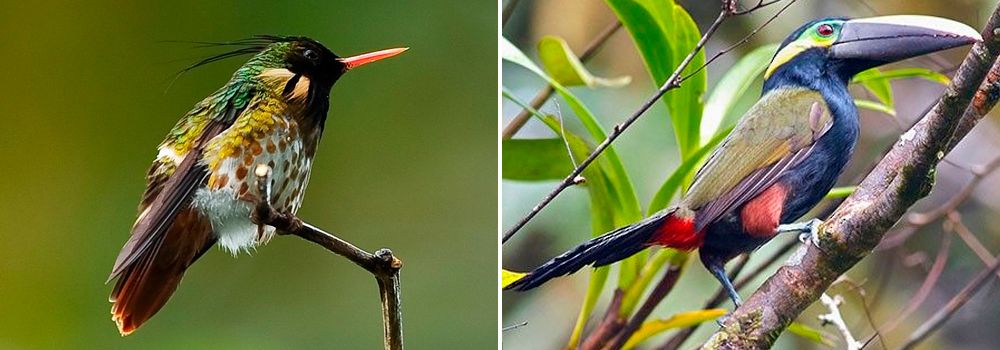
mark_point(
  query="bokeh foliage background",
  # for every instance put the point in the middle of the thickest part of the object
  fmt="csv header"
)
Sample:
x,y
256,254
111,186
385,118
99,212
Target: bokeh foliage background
x,y
407,161
890,278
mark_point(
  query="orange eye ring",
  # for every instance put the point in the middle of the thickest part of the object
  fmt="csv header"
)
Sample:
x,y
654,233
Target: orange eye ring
x,y
825,30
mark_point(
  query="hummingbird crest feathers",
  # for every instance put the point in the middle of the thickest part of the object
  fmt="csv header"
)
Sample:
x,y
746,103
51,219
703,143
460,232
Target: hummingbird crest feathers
x,y
248,46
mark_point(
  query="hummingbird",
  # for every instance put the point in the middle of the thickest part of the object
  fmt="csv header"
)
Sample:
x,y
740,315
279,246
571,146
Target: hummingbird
x,y
201,186
782,157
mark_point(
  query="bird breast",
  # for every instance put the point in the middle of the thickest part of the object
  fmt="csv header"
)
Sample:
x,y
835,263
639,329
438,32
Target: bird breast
x,y
231,191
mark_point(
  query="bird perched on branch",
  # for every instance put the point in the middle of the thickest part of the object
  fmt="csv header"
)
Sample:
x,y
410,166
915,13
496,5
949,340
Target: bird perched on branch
x,y
784,155
201,187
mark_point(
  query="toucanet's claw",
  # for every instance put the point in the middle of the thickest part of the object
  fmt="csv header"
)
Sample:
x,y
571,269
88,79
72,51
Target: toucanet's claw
x,y
721,321
813,237
808,231
805,237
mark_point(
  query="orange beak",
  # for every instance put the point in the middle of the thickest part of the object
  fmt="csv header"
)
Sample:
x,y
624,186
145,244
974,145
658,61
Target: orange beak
x,y
366,58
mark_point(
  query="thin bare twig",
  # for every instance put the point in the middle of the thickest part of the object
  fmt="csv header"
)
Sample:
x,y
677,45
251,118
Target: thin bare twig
x,y
760,4
521,118
833,317
514,326
915,221
382,264
955,224
661,290
609,325
869,318
925,288
746,38
945,313
672,82
508,11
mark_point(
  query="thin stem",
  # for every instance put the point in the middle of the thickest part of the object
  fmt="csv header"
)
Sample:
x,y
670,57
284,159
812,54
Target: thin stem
x,y
508,11
834,317
925,288
746,38
955,225
382,265
917,220
945,313
661,290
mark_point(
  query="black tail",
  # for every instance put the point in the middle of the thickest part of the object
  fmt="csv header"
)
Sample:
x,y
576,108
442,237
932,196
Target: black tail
x,y
599,251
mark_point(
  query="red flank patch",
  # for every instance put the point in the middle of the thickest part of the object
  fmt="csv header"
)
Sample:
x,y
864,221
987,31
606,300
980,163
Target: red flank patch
x,y
761,214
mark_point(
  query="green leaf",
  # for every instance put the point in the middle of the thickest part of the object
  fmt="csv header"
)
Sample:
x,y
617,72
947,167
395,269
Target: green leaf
x,y
733,84
686,104
922,73
871,80
840,192
877,81
535,159
681,320
508,277
598,277
656,51
664,34
875,106
809,333
563,66
512,54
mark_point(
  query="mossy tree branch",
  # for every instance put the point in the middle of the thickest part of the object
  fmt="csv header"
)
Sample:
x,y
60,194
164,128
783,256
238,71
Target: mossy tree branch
x,y
902,177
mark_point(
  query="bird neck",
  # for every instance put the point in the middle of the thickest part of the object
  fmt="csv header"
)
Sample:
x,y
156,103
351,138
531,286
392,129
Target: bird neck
x,y
304,100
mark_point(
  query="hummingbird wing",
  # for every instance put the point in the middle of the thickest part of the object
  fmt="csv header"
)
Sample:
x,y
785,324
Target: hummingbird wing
x,y
168,193
777,133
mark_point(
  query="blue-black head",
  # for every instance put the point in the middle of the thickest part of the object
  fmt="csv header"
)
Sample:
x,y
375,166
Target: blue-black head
x,y
837,48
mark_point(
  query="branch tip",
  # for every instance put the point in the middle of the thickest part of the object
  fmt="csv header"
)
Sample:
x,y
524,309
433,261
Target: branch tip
x,y
383,265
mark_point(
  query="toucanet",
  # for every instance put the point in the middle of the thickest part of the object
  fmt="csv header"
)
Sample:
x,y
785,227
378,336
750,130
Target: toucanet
x,y
784,154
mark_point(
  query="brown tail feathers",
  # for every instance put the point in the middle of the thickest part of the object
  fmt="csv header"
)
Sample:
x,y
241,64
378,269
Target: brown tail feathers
x,y
146,285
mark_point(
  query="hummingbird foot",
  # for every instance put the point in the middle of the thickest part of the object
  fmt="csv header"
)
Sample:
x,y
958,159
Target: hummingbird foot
x,y
808,231
294,224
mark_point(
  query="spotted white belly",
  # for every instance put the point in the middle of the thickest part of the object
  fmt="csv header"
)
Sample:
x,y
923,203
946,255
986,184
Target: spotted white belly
x,y
232,189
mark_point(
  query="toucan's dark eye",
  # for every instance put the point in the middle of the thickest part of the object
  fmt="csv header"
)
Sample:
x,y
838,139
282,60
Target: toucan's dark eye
x,y
310,55
825,30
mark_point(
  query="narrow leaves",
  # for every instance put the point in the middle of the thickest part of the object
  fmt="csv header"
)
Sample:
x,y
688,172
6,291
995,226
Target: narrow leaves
x,y
563,66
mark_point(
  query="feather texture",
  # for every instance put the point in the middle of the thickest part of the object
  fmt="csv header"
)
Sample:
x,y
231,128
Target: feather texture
x,y
774,136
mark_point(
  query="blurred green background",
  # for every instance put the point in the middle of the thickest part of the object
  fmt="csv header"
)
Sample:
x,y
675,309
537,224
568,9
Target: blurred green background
x,y
890,278
408,161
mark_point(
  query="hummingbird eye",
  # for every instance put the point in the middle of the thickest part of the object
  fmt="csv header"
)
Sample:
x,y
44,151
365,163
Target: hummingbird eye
x,y
310,55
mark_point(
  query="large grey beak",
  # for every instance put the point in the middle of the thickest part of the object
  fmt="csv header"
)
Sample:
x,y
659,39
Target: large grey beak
x,y
893,38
